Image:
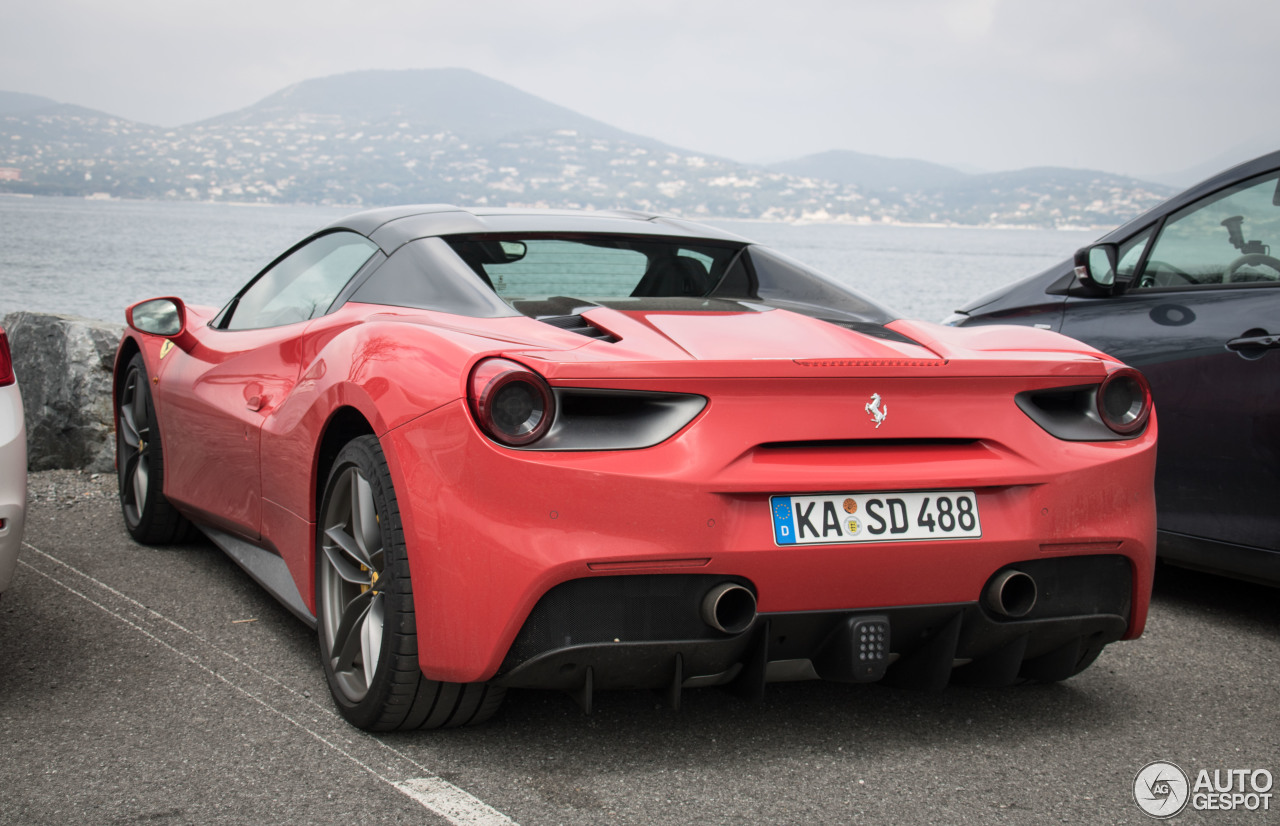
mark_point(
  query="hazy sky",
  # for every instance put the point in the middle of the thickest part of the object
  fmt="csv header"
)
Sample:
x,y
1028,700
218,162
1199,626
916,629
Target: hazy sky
x,y
1128,86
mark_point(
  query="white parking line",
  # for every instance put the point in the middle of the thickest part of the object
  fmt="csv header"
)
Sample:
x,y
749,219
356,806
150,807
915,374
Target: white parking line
x,y
450,802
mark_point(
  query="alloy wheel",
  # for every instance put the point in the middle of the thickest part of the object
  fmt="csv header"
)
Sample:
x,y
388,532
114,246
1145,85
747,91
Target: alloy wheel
x,y
352,581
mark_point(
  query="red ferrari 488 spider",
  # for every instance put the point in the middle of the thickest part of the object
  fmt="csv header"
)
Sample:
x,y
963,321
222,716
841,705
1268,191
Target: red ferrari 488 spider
x,y
482,449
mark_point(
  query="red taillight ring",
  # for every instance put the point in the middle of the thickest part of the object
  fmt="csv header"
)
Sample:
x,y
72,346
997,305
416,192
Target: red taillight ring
x,y
1124,401
512,404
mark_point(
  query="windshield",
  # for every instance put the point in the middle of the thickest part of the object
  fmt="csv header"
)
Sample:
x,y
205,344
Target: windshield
x,y
556,274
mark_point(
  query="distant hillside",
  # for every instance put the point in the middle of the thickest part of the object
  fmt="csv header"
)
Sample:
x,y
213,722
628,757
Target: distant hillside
x,y
928,192
871,172
20,102
451,135
460,101
1043,196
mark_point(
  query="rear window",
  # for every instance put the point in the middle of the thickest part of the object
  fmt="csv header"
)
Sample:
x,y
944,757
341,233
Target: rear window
x,y
542,275
594,268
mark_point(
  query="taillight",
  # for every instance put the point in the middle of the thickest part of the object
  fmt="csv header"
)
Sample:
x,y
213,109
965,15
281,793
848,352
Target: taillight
x,y
512,404
6,361
1124,401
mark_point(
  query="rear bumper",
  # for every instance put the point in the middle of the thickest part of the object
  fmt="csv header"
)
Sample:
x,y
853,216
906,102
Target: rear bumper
x,y
646,632
491,531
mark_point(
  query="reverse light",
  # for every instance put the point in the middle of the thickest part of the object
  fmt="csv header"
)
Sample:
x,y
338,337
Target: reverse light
x,y
512,404
1124,401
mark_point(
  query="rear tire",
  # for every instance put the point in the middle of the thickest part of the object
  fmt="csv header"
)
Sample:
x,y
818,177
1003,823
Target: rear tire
x,y
148,515
365,610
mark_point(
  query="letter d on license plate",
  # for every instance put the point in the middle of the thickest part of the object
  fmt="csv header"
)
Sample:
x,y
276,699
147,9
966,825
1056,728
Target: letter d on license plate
x,y
875,517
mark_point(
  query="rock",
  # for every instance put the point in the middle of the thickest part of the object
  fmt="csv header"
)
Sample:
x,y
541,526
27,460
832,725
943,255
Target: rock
x,y
63,364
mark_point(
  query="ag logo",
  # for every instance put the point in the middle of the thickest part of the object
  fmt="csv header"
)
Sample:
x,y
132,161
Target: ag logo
x,y
1161,789
879,412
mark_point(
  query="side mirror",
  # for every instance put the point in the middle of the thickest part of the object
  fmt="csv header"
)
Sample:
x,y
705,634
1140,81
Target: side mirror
x,y
158,316
1096,266
165,317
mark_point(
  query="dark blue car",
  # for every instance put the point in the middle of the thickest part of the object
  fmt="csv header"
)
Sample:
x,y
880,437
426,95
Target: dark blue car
x,y
1189,293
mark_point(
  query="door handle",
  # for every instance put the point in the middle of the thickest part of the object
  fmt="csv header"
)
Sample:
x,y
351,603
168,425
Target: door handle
x,y
1267,342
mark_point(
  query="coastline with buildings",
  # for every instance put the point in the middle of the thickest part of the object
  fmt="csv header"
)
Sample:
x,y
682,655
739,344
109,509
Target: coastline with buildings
x,y
332,141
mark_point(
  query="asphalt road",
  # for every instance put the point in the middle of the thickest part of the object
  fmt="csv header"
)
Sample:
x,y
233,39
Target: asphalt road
x,y
142,685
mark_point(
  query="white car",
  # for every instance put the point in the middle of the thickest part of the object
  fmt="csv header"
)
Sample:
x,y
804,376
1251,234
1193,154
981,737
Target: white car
x,y
13,466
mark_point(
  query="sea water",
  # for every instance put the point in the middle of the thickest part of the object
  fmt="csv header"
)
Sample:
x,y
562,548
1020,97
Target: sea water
x,y
94,258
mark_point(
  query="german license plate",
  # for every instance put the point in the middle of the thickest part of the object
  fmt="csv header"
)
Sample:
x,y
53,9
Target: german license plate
x,y
875,517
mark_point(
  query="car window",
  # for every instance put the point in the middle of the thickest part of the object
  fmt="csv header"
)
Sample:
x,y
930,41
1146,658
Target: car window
x,y
301,285
552,267
602,267
1131,255
546,275
1224,239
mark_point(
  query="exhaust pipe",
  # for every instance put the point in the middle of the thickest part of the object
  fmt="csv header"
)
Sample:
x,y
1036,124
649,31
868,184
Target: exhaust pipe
x,y
1011,594
729,608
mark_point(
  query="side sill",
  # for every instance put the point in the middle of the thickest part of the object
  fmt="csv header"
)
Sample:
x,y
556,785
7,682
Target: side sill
x,y
267,569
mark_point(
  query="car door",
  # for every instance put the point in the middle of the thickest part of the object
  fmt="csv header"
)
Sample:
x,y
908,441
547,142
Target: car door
x,y
217,395
1198,311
